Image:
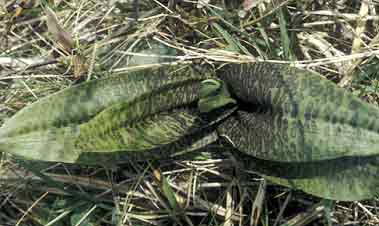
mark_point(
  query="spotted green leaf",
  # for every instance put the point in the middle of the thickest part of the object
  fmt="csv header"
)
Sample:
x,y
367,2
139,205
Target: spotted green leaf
x,y
302,131
292,115
345,179
145,111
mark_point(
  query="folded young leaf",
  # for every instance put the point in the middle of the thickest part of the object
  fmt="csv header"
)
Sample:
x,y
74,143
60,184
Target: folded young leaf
x,y
214,95
291,115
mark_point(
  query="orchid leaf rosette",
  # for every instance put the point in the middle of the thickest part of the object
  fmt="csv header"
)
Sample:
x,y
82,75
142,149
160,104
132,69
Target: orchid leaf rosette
x,y
289,125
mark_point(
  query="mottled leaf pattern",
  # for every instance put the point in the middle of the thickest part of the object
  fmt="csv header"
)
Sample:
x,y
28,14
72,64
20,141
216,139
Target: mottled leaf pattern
x,y
346,178
287,124
291,115
303,132
139,111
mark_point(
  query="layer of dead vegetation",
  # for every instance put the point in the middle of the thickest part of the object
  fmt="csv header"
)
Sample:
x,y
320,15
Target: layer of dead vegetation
x,y
46,46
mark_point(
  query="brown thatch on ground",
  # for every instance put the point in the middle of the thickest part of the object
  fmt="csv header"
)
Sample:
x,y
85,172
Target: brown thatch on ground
x,y
46,46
